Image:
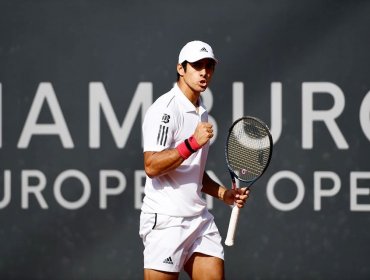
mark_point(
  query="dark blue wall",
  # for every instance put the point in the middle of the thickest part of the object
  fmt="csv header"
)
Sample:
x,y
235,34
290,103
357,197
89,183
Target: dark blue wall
x,y
65,65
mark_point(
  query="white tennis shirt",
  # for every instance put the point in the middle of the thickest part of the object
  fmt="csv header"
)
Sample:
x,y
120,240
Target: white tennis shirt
x,y
169,121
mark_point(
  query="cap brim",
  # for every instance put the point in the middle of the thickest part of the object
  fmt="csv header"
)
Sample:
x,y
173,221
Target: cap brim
x,y
195,59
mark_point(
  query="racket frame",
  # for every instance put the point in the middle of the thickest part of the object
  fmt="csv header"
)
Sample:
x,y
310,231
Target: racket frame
x,y
232,173
229,241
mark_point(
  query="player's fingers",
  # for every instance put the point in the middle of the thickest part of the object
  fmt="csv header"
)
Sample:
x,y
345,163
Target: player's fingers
x,y
242,198
207,128
203,133
204,127
207,124
245,191
239,204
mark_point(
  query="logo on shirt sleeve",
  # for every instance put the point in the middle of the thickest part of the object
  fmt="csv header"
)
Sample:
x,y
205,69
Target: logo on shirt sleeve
x,y
166,118
162,135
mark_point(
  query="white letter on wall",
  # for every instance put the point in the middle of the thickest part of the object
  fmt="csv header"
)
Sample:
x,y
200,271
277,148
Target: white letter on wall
x,y
139,187
319,192
105,191
238,100
100,100
356,191
35,189
7,193
276,111
46,93
365,115
58,189
207,98
285,174
309,115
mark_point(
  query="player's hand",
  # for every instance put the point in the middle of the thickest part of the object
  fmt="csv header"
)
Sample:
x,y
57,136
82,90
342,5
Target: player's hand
x,y
203,133
237,196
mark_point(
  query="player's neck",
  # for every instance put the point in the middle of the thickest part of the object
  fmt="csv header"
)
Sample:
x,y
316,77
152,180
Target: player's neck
x,y
190,94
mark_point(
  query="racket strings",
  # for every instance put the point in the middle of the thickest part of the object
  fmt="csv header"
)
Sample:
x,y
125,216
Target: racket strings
x,y
248,149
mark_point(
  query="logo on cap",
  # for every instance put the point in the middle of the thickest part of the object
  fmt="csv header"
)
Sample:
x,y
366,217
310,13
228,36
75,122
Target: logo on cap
x,y
203,49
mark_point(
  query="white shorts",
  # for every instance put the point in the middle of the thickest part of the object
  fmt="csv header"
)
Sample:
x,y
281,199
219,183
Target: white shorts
x,y
170,241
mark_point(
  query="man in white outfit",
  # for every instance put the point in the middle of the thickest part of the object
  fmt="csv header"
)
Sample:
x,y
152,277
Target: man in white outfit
x,y
177,230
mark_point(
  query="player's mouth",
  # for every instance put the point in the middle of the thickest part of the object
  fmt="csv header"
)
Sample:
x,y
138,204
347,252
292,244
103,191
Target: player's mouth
x,y
203,83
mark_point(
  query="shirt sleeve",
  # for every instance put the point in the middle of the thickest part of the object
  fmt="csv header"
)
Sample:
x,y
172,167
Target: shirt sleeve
x,y
158,129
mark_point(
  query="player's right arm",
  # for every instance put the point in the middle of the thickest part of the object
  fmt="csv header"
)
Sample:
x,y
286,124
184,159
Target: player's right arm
x,y
161,162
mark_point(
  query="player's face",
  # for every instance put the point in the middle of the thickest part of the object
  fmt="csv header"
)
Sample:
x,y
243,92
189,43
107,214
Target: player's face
x,y
198,74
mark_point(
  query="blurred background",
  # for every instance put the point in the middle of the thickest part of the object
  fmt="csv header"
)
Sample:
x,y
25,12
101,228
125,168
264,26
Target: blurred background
x,y
76,78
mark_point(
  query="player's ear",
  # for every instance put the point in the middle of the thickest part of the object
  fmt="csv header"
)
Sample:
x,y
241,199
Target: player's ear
x,y
180,69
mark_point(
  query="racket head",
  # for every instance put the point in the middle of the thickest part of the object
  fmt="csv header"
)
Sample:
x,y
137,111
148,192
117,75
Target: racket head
x,y
248,149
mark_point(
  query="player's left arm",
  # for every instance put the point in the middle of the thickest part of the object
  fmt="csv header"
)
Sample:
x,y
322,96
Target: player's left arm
x,y
229,196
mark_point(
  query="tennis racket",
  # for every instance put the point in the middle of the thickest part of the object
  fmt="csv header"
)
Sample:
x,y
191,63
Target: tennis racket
x,y
248,152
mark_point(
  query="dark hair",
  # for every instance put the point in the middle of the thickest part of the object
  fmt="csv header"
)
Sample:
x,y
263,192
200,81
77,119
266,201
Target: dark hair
x,y
183,66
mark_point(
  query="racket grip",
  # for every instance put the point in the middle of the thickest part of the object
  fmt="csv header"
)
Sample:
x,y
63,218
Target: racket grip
x,y
229,241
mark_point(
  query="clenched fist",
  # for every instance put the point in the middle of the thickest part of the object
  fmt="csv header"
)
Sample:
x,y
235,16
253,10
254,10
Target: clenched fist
x,y
203,133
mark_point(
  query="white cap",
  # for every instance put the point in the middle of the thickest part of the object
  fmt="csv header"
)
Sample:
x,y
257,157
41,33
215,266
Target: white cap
x,y
196,50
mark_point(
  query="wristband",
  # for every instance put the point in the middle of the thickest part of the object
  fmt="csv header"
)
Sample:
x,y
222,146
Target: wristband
x,y
221,193
183,150
188,147
193,143
186,141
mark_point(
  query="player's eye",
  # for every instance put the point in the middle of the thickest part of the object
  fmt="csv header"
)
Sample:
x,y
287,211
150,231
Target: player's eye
x,y
210,65
197,65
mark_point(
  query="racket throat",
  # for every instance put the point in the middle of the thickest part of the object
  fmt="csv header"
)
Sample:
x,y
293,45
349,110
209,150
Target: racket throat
x,y
233,181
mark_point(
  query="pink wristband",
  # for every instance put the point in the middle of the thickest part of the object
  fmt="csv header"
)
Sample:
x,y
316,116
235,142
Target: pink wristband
x,y
193,143
188,147
183,150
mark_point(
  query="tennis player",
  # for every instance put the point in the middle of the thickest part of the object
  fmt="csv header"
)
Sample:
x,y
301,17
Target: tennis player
x,y
177,230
